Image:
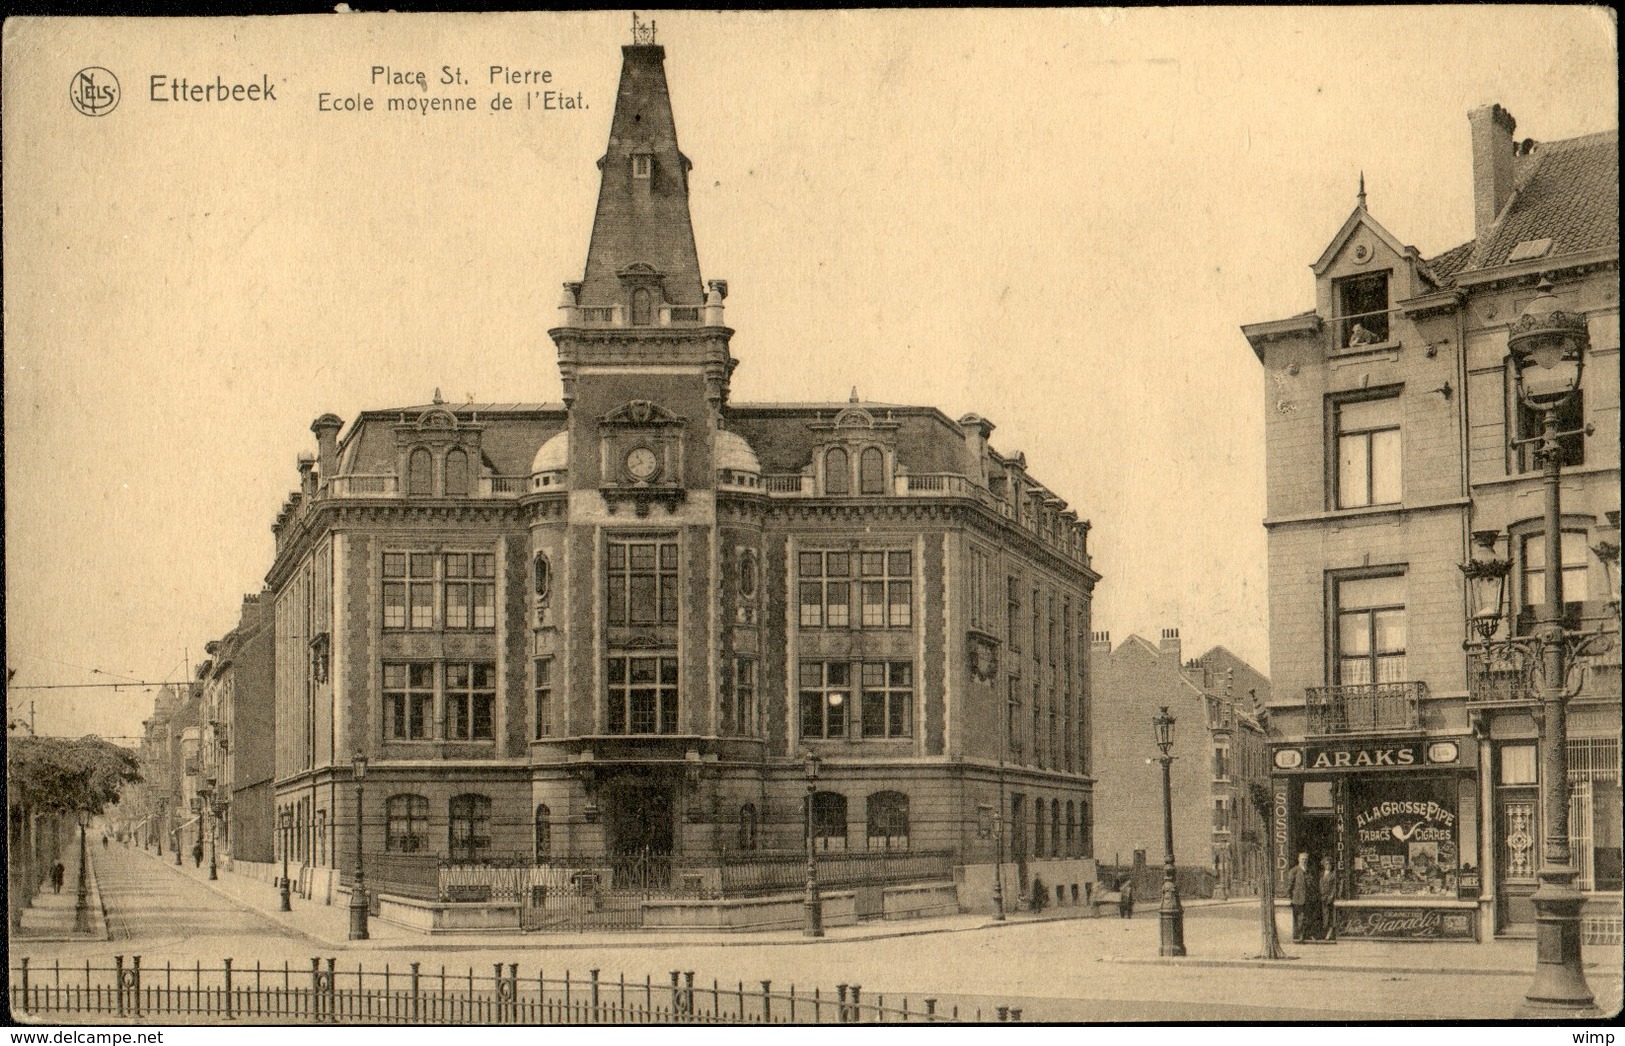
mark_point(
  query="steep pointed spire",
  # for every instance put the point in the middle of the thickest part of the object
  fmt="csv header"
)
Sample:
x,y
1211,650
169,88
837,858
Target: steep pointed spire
x,y
1362,190
642,238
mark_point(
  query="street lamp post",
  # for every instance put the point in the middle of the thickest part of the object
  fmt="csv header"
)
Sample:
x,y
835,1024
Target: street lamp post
x,y
998,830
358,890
1172,914
287,842
1548,347
813,905
81,907
209,807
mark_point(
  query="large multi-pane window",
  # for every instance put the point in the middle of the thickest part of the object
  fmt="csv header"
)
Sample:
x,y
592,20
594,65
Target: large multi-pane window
x,y
888,698
469,827
471,590
1532,589
1368,451
1362,309
826,694
744,709
978,583
1370,629
406,823
642,697
888,592
642,582
826,589
408,590
543,695
470,698
408,700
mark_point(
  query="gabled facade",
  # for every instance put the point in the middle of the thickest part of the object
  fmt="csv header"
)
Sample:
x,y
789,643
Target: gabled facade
x,y
607,632
1391,436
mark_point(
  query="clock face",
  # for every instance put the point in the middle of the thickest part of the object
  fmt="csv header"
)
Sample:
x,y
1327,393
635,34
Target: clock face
x,y
642,464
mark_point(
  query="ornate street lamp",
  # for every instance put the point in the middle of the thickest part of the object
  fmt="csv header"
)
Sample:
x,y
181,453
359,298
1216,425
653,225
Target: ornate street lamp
x,y
1171,913
813,906
285,886
1548,347
209,808
358,890
81,907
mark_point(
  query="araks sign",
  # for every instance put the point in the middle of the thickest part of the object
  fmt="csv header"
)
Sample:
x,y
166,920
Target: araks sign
x,y
1371,755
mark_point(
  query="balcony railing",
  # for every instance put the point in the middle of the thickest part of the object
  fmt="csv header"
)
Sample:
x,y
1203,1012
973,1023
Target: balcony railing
x,y
363,486
1357,708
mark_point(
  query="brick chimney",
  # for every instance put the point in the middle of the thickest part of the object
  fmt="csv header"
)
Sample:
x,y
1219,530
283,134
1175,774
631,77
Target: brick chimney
x,y
976,430
1100,642
1492,128
1169,646
307,481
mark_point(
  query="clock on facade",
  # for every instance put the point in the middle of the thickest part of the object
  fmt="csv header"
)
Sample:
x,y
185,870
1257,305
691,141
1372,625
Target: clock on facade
x,y
641,464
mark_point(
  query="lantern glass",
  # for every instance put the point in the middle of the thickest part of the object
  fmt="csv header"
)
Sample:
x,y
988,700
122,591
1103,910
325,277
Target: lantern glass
x,y
1164,725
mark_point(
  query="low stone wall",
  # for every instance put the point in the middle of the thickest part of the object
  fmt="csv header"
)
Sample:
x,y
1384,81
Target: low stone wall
x,y
780,912
448,916
927,900
313,884
1075,877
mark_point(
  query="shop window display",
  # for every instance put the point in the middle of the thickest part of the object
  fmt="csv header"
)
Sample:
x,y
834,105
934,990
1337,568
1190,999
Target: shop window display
x,y
1407,837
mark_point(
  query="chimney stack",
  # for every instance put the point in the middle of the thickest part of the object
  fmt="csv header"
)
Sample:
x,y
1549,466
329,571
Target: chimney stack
x,y
1170,645
307,480
1492,128
1101,643
976,430
326,429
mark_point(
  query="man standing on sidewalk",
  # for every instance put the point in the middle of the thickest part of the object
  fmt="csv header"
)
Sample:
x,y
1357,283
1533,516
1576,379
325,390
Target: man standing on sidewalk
x,y
1328,900
1298,881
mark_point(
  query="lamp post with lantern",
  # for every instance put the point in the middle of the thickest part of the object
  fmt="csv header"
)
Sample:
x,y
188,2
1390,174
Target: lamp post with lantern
x,y
812,904
1172,914
358,889
285,887
1548,346
81,906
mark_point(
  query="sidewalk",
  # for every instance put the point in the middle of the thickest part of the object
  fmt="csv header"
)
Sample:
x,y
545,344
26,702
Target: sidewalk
x,y
51,917
1217,934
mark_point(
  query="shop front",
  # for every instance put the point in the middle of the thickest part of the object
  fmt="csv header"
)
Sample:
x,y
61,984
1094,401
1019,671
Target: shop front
x,y
1397,819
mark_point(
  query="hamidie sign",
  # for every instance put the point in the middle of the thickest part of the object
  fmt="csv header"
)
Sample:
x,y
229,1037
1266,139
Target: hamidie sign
x,y
1368,756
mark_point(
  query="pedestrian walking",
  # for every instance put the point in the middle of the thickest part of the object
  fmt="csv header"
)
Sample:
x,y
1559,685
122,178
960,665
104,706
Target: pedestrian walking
x,y
1125,898
57,874
104,842
197,853
1298,883
1328,899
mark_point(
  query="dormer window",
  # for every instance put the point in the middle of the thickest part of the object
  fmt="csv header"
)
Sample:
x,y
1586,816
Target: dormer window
x,y
642,165
1362,310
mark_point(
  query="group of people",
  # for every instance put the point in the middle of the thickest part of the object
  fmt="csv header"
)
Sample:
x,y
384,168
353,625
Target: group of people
x,y
1312,897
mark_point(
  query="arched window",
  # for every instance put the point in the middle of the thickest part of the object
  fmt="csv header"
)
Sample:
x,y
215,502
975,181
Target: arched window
x,y
406,824
888,821
470,827
456,473
1071,829
641,307
1039,809
837,477
544,834
829,820
420,473
747,826
544,576
1086,830
872,471
1055,829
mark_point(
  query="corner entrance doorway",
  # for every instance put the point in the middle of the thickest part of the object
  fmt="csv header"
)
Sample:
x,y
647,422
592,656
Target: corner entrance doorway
x,y
639,830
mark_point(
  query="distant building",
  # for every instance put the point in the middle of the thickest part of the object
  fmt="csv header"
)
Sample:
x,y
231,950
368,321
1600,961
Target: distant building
x,y
1392,436
1219,749
605,633
239,749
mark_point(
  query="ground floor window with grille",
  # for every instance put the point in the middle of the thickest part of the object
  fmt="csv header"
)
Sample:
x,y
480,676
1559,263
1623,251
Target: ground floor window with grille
x,y
829,820
470,827
1594,812
642,697
888,821
406,823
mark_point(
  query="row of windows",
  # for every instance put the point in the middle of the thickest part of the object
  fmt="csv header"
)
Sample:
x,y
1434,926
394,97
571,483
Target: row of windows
x,y
887,699
1367,449
871,478
420,473
463,691
1053,729
882,580
459,586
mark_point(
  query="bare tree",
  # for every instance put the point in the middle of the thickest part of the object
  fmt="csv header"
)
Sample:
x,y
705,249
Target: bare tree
x,y
1270,937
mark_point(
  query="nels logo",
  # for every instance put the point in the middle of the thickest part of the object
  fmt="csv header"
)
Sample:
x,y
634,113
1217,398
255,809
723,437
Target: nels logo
x,y
94,91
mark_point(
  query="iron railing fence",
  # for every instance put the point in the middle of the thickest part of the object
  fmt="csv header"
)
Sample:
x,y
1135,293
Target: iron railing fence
x,y
325,994
1354,708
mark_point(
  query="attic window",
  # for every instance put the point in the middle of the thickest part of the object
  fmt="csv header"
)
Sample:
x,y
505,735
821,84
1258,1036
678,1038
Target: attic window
x,y
642,165
1362,310
1531,249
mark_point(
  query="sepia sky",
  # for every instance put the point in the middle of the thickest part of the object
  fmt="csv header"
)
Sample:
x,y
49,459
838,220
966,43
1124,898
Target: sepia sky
x,y
1056,219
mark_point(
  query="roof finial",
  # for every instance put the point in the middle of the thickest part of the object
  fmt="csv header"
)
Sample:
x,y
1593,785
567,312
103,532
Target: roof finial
x,y
854,397
437,398
1362,190
642,35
